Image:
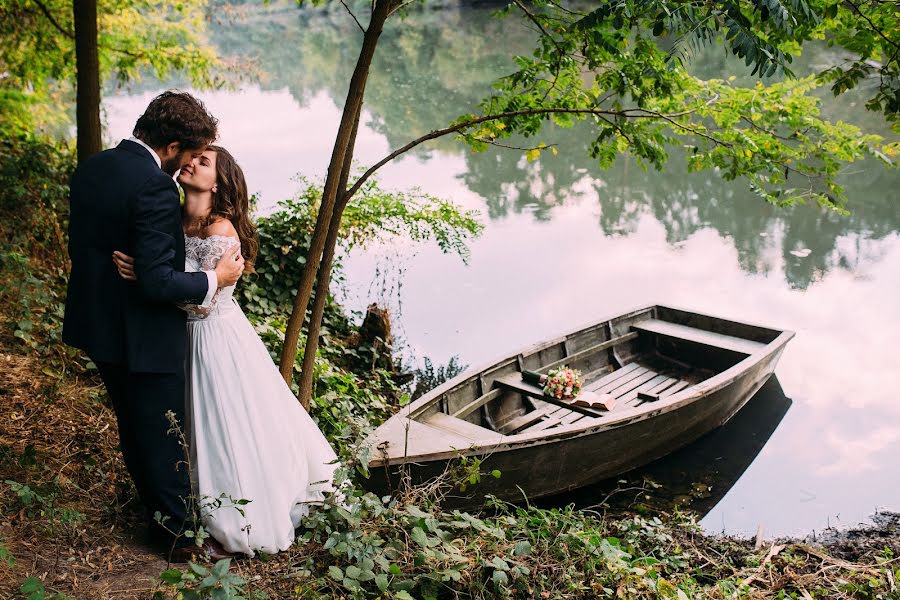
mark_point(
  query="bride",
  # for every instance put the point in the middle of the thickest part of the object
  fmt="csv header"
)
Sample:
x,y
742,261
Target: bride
x,y
250,437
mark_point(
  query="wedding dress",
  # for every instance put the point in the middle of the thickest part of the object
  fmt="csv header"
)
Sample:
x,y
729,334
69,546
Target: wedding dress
x,y
251,438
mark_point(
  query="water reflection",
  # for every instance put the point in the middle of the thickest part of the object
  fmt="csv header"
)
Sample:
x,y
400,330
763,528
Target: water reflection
x,y
440,63
628,238
697,476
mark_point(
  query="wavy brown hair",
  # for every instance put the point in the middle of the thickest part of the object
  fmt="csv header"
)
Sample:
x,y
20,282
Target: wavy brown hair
x,y
176,117
230,201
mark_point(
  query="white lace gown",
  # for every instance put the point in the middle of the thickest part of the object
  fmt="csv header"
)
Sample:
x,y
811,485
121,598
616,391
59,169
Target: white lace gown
x,y
250,437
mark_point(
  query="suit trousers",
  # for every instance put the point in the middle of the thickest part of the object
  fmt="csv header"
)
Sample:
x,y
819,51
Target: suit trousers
x,y
154,456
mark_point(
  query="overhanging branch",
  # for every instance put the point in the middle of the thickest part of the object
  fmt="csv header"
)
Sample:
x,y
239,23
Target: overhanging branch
x,y
628,113
53,21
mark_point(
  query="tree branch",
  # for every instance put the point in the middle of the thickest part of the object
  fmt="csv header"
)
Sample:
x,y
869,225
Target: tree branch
x,y
522,113
358,24
874,27
511,147
52,20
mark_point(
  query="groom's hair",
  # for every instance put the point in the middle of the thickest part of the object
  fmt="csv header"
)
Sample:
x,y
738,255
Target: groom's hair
x,y
176,117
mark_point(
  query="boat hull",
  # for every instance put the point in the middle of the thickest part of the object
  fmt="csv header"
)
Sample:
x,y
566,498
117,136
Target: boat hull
x,y
574,457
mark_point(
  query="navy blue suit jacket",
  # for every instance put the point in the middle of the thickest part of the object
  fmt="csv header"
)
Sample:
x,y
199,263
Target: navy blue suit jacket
x,y
121,200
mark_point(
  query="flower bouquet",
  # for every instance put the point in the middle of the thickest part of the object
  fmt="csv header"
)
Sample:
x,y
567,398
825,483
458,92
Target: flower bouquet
x,y
565,384
562,383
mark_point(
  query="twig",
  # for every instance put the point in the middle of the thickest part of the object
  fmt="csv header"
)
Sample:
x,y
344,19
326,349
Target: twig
x,y
628,113
773,551
874,27
358,24
55,23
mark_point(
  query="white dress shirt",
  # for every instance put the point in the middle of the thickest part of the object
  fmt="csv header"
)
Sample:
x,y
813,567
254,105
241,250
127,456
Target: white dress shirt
x,y
211,277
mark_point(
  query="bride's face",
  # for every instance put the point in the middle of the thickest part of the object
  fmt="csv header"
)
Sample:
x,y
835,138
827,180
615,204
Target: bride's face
x,y
200,174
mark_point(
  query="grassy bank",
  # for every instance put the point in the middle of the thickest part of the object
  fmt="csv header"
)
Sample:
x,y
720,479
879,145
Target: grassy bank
x,y
70,519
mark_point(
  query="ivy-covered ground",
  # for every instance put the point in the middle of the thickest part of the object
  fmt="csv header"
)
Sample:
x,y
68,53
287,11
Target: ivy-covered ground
x,y
70,524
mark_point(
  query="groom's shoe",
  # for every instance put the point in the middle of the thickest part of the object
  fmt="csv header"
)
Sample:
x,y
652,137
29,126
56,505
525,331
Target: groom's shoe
x,y
211,550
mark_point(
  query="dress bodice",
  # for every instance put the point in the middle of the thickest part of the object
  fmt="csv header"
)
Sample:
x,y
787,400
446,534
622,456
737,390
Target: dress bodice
x,y
202,254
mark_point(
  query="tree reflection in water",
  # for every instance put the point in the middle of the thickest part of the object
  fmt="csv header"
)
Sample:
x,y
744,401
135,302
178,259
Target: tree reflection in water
x,y
428,73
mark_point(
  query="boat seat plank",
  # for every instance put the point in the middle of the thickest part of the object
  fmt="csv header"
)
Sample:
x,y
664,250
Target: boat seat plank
x,y
513,381
593,385
632,374
526,420
460,427
701,336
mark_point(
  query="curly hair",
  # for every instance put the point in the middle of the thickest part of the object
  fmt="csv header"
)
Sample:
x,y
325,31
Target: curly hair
x,y
231,201
176,117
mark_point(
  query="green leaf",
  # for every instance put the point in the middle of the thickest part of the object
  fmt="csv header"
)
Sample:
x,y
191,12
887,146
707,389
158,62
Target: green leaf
x,y
353,572
171,576
419,537
381,581
335,573
522,548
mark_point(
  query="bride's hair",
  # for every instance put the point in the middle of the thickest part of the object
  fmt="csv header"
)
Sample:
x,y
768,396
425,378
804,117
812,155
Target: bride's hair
x,y
230,201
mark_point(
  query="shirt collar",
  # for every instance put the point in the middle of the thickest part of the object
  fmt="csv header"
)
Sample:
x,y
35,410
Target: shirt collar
x,y
149,149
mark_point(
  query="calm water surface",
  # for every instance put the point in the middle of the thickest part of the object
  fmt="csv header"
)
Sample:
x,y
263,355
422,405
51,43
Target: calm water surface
x,y
818,446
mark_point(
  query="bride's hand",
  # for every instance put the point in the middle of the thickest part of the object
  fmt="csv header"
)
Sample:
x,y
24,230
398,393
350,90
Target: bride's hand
x,y
125,265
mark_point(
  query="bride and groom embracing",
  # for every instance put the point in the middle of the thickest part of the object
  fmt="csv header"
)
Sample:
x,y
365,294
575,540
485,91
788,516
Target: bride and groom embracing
x,y
150,300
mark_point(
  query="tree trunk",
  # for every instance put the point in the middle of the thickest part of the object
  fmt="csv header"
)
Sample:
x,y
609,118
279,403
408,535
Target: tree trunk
x,y
324,277
87,63
352,106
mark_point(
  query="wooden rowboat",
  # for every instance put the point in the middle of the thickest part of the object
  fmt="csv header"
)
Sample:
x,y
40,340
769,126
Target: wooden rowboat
x,y
674,375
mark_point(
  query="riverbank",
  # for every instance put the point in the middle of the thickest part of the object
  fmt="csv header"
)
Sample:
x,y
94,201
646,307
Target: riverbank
x,y
77,530
70,522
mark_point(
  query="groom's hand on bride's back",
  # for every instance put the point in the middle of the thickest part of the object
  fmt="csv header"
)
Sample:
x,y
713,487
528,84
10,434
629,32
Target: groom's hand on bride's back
x,y
125,266
230,267
228,270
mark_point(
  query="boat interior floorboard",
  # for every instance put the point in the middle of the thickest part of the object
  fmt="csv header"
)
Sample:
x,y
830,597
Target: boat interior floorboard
x,y
644,380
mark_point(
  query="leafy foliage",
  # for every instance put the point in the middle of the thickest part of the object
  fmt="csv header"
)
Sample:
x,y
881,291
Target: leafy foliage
x,y
34,179
606,67
33,589
374,215
198,582
870,30
37,51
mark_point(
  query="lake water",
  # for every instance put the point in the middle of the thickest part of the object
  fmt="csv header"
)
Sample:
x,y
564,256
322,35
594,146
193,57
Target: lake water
x,y
819,446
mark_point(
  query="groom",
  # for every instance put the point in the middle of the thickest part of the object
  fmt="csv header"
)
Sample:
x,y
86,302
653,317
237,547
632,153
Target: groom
x,y
125,199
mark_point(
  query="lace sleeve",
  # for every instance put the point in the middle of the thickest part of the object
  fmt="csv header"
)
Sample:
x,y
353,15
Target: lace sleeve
x,y
213,248
208,253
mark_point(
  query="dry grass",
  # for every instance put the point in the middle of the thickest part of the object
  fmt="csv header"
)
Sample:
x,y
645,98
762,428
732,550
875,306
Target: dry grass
x,y
74,438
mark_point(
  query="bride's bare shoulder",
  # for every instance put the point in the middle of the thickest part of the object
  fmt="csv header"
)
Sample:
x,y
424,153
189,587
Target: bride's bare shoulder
x,y
221,227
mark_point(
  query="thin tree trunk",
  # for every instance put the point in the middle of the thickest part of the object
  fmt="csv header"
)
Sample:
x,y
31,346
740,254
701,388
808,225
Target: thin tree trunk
x,y
87,63
352,106
324,277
